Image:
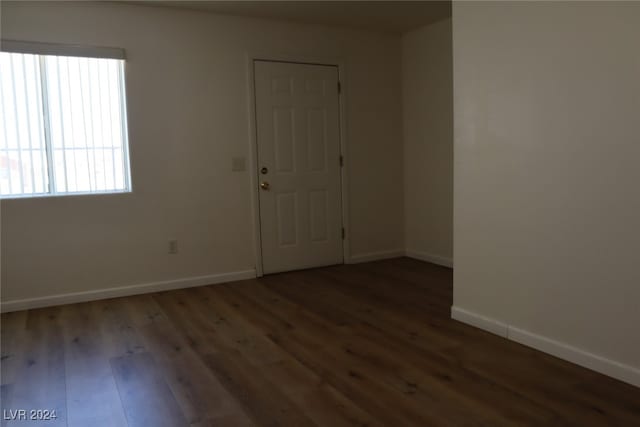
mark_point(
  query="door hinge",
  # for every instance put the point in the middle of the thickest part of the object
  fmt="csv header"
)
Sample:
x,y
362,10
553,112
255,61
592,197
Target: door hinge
x,y
341,161
339,88
344,234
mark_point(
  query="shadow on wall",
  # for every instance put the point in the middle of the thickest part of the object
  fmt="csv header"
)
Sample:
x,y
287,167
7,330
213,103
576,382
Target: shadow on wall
x,y
427,77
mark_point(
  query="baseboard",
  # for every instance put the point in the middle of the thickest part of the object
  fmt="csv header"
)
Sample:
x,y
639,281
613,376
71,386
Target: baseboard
x,y
486,323
374,256
597,363
422,256
611,368
122,291
433,259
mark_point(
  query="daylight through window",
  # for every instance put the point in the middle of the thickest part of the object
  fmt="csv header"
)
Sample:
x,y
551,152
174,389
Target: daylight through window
x,y
63,125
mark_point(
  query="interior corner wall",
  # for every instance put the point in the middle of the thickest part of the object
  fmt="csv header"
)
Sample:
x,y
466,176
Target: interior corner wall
x,y
187,90
427,101
547,149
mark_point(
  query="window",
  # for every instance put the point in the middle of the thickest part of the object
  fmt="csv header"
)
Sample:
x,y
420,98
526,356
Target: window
x,y
63,127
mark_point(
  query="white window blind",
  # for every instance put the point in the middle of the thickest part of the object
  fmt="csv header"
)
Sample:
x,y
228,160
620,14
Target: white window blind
x,y
62,125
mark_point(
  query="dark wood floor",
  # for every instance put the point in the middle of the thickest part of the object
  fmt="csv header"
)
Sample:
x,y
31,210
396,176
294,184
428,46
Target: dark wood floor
x,y
369,344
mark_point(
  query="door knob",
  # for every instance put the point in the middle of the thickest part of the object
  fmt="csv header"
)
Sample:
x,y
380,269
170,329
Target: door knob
x,y
264,185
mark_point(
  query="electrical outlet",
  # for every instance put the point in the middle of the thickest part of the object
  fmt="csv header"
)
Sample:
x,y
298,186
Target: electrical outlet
x,y
173,246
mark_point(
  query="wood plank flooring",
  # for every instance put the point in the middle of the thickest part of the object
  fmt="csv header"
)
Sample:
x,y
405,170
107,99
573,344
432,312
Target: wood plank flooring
x,y
360,345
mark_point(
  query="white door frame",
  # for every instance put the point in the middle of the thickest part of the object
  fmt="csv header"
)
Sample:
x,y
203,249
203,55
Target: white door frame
x,y
253,147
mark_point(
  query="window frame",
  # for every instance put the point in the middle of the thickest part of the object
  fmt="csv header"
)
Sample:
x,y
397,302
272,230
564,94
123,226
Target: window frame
x,y
68,50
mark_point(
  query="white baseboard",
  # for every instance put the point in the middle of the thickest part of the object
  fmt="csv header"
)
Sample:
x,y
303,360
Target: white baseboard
x,y
122,291
433,259
612,368
486,323
575,355
374,256
422,256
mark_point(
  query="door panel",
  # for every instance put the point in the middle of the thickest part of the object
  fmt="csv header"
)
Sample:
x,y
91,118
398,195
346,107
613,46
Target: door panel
x,y
316,138
298,137
318,214
283,137
286,216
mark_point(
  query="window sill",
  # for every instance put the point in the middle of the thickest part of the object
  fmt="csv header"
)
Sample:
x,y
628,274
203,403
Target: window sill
x,y
65,195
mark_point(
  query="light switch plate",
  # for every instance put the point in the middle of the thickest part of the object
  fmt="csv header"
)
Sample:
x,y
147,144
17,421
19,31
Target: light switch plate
x,y
238,164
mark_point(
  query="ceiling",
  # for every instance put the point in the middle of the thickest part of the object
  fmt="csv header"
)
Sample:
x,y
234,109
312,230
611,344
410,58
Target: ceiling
x,y
385,16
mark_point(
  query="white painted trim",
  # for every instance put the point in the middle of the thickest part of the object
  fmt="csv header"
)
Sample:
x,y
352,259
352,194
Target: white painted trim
x,y
374,256
575,355
253,148
253,164
485,323
123,291
433,259
59,49
612,368
344,176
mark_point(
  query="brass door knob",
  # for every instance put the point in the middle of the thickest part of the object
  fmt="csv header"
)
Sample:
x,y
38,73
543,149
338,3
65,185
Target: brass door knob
x,y
264,185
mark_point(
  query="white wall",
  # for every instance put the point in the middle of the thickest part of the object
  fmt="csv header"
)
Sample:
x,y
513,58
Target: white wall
x,y
547,166
427,105
188,116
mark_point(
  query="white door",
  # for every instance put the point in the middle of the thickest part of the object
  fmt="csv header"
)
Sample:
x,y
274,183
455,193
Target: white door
x,y
298,137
